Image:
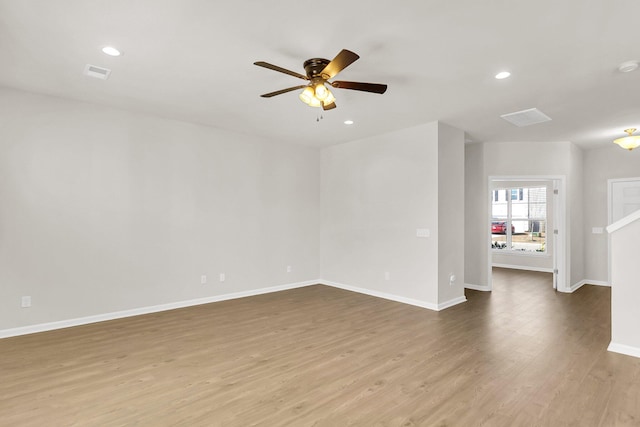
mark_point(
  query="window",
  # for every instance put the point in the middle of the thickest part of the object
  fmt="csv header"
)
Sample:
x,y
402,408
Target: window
x,y
517,193
518,223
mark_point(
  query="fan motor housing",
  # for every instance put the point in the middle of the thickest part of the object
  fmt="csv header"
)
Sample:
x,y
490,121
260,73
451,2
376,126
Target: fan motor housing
x,y
314,66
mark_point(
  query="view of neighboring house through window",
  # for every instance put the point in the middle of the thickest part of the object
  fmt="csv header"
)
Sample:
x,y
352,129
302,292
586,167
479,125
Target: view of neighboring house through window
x,y
519,219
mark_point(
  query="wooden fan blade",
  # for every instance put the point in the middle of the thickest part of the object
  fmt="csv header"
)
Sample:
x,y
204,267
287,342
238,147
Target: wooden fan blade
x,y
329,107
365,87
339,63
281,91
280,69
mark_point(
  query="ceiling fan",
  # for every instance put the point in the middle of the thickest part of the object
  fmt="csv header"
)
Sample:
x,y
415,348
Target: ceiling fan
x,y
319,71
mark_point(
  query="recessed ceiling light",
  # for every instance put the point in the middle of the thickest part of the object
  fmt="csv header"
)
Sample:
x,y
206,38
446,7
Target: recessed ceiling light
x,y
111,51
348,122
627,67
502,75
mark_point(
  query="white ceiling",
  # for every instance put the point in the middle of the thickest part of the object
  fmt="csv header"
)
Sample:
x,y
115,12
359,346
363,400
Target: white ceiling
x,y
193,60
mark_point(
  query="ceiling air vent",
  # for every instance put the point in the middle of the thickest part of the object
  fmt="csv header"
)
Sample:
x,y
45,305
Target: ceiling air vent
x,y
97,72
526,117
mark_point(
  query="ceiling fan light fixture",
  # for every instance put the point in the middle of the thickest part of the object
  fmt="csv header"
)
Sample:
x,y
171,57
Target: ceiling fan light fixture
x,y
307,95
629,142
316,92
321,91
315,102
329,99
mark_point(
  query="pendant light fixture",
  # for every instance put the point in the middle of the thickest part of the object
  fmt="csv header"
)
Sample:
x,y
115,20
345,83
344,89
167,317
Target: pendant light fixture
x,y
629,142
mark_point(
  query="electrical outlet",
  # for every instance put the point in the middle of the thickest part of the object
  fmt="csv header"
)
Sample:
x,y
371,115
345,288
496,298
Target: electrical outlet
x,y
288,269
222,277
452,278
203,279
26,301
387,276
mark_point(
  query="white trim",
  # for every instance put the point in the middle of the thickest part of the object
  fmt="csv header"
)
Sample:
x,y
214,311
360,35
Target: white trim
x,y
523,267
452,302
396,298
384,295
633,216
483,288
577,286
581,283
624,349
42,327
514,252
598,283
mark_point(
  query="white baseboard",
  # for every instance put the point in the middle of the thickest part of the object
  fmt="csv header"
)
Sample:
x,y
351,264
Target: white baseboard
x,y
597,283
452,302
396,298
42,327
577,286
624,349
523,267
581,283
483,288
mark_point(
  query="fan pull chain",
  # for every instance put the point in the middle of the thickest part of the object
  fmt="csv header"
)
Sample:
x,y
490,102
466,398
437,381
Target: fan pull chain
x,y
318,118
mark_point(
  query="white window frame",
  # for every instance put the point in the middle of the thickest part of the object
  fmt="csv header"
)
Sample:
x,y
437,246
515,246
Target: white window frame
x,y
509,220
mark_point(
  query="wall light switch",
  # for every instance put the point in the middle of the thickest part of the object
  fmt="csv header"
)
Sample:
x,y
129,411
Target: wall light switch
x,y
26,301
423,232
203,279
222,277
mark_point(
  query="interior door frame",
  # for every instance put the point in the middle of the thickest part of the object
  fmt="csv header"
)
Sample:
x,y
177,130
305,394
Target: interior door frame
x,y
561,251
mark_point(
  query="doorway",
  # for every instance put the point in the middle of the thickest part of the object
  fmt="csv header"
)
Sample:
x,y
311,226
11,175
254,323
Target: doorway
x,y
527,226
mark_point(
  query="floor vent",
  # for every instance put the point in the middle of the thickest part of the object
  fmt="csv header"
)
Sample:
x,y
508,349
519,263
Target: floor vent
x,y
526,117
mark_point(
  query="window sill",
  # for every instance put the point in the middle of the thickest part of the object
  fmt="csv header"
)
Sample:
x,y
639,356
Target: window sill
x,y
521,253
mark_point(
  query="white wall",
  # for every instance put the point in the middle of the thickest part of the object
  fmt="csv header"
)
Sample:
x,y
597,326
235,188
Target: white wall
x,y
103,210
600,165
451,224
475,219
575,215
625,292
375,193
521,159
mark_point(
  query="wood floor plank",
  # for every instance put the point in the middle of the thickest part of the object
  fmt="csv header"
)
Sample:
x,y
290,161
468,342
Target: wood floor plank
x,y
522,355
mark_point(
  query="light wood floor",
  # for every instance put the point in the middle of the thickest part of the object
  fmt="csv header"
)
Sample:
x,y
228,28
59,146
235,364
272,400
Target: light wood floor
x,y
522,355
